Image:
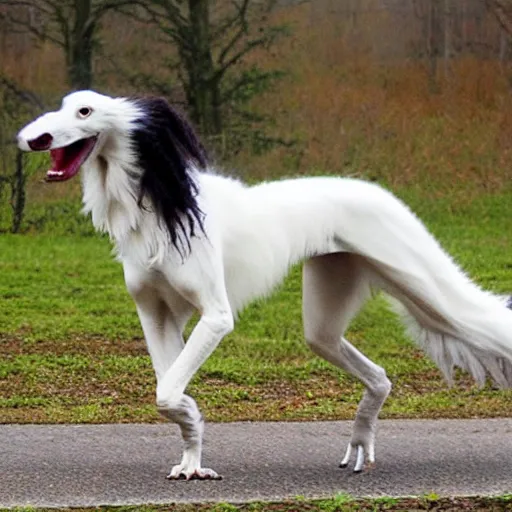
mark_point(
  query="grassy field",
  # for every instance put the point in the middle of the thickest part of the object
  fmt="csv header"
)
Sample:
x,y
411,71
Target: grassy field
x,y
71,348
340,503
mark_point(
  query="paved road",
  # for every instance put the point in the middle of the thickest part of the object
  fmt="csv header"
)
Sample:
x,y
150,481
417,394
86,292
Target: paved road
x,y
126,464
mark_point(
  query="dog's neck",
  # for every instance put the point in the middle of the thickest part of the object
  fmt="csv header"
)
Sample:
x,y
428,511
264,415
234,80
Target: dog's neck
x,y
111,188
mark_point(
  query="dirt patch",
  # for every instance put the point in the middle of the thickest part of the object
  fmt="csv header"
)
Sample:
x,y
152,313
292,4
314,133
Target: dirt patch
x,y
15,345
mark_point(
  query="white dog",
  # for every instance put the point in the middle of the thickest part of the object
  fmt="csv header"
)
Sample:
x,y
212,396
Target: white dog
x,y
190,239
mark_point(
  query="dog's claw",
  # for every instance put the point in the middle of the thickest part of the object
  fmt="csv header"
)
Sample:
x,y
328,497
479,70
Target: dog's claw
x,y
358,468
346,458
361,458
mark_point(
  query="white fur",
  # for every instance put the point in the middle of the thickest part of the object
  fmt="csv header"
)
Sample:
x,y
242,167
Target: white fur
x,y
354,236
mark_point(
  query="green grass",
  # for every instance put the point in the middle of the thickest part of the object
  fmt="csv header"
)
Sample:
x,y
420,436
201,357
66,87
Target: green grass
x,y
71,348
339,503
56,287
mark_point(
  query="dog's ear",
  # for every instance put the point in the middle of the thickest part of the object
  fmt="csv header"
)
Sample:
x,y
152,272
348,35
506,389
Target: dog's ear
x,y
169,153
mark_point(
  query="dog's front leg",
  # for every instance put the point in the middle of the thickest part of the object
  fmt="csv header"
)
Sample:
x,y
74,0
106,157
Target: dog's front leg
x,y
201,282
163,327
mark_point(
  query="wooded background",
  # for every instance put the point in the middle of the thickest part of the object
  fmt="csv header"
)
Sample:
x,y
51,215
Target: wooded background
x,y
401,91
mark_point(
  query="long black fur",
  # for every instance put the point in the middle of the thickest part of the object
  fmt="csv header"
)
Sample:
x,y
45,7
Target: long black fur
x,y
167,148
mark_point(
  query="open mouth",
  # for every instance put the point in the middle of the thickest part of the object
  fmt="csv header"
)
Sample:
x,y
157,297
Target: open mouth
x,y
66,161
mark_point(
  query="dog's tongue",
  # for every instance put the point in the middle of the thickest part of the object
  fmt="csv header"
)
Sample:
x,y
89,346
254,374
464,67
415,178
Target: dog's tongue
x,y
66,161
59,169
57,156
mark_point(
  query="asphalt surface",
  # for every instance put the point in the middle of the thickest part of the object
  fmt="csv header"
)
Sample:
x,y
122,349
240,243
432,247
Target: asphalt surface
x,y
90,465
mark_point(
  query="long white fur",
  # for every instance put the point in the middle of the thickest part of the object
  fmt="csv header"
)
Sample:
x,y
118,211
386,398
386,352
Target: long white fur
x,y
355,236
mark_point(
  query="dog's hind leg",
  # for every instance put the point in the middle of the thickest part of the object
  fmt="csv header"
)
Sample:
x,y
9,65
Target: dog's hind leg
x,y
334,288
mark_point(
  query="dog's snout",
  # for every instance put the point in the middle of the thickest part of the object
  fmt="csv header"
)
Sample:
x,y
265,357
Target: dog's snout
x,y
40,143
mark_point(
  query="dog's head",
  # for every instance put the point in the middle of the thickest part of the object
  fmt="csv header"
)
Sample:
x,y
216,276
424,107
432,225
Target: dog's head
x,y
146,138
74,133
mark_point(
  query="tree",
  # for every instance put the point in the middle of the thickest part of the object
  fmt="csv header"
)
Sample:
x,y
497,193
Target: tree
x,y
212,38
16,104
69,24
437,19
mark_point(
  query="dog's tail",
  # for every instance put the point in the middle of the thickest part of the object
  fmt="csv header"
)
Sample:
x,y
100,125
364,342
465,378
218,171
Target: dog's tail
x,y
453,320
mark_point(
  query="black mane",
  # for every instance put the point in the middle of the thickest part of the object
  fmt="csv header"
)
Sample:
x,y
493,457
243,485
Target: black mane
x,y
167,149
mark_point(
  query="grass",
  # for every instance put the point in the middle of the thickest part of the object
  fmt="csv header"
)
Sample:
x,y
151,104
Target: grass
x,y
71,349
339,503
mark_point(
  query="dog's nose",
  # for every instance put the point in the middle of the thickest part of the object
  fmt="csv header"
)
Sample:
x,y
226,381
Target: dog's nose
x,y
40,143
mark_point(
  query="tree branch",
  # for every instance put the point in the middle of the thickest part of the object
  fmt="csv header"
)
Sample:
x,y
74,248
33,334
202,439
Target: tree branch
x,y
41,35
170,11
21,3
119,5
238,17
502,9
23,94
249,46
246,80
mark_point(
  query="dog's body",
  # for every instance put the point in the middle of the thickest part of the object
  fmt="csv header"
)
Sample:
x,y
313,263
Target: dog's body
x,y
190,240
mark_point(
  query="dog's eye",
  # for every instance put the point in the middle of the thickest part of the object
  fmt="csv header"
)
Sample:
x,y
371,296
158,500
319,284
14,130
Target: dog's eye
x,y
84,112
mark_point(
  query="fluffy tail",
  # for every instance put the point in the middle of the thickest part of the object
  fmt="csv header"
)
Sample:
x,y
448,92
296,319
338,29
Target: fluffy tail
x,y
452,319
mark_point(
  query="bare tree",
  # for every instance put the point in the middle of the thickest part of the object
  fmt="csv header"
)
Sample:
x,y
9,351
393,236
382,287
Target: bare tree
x,y
69,24
17,103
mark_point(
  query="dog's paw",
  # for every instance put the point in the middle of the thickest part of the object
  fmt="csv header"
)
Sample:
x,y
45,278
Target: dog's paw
x,y
182,472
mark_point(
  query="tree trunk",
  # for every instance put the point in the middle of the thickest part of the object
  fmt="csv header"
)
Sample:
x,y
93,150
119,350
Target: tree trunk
x,y
431,50
464,28
18,194
503,46
79,52
433,31
447,22
203,88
